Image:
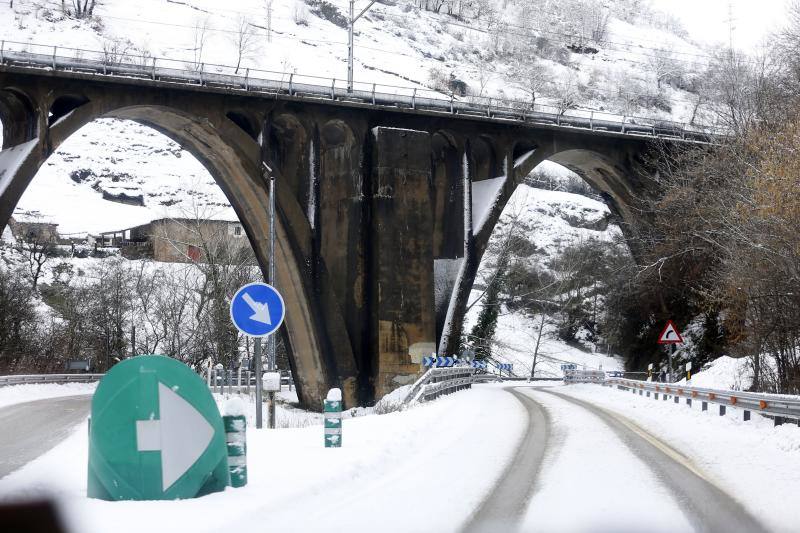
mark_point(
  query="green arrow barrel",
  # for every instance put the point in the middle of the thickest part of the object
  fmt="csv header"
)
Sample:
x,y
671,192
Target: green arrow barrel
x,y
333,423
156,434
236,439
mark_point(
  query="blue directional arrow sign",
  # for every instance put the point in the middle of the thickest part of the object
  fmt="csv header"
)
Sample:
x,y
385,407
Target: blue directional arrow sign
x,y
257,309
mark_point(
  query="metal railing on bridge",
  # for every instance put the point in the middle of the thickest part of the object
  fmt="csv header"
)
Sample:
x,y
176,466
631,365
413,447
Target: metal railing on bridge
x,y
301,86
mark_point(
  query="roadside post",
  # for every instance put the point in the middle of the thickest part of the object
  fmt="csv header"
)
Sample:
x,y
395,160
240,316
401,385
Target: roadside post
x,y
650,372
155,434
332,407
258,310
236,440
671,336
688,371
219,376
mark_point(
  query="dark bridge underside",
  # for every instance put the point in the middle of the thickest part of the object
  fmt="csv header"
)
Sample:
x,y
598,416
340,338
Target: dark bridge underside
x,y
378,244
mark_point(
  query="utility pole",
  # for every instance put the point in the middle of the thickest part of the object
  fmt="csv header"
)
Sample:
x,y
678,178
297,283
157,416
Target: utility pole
x,y
269,20
350,41
259,382
271,366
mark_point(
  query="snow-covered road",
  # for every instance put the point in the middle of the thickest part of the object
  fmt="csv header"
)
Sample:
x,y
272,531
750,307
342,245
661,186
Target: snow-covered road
x,y
623,477
584,468
32,428
544,458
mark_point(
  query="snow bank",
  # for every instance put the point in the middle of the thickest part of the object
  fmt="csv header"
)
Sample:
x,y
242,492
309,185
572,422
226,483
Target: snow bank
x,y
14,394
723,373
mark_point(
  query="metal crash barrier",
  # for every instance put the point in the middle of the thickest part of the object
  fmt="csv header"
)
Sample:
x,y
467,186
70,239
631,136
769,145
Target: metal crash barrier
x,y
776,406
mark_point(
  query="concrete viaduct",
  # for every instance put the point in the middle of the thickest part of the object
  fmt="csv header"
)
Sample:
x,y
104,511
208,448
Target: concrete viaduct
x,y
375,199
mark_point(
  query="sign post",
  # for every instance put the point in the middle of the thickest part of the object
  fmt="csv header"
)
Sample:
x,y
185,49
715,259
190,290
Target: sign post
x,y
650,372
670,335
257,310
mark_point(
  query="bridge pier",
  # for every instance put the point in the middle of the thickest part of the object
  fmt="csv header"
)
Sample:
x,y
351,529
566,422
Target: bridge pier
x,y
401,246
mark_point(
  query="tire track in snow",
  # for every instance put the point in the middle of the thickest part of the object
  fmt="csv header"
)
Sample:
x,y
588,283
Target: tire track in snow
x,y
505,505
706,506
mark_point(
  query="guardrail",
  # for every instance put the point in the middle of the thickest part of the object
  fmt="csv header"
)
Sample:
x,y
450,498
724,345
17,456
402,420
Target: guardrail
x,y
440,381
301,86
573,375
774,405
238,380
26,379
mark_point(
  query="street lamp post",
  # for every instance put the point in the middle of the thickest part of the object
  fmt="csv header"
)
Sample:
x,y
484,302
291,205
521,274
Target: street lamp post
x,y
350,41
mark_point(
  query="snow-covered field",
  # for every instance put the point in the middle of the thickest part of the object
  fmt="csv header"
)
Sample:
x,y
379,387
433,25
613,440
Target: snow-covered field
x,y
395,472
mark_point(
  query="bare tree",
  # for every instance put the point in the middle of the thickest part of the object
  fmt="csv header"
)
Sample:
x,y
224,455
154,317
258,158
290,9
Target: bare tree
x,y
115,50
666,68
566,92
531,76
244,39
200,36
36,250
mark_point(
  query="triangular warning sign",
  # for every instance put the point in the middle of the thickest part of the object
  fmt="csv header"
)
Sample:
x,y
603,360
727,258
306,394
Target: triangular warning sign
x,y
670,335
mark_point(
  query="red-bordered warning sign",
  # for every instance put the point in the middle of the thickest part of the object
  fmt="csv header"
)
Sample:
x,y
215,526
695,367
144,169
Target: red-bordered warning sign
x,y
670,335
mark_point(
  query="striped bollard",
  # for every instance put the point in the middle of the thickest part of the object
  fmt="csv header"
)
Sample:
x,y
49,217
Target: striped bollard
x,y
236,438
332,408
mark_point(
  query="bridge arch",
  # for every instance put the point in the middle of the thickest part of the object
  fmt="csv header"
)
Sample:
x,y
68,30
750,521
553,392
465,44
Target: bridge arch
x,y
608,171
483,158
604,174
63,105
233,158
246,122
19,117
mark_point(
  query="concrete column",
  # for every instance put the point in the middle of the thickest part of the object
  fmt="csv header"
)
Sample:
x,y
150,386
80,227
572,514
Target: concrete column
x,y
454,320
401,256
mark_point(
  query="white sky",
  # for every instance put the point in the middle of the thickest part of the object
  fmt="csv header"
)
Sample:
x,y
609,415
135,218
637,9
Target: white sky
x,y
707,20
